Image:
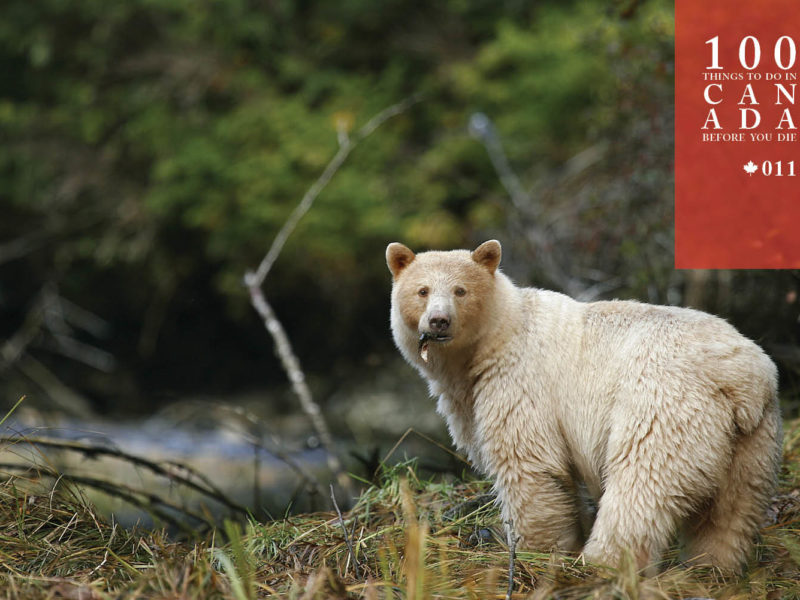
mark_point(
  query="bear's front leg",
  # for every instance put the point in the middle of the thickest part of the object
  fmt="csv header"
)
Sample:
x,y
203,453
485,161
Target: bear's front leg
x,y
543,509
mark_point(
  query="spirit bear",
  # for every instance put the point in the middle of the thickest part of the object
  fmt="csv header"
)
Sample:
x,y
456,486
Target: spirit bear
x,y
667,416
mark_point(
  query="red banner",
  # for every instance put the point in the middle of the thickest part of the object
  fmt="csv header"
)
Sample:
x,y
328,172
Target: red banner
x,y
737,164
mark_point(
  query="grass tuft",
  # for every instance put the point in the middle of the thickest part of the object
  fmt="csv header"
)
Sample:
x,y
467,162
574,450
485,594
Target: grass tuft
x,y
412,538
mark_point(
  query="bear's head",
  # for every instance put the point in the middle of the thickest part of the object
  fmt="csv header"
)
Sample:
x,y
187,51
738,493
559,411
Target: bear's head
x,y
440,299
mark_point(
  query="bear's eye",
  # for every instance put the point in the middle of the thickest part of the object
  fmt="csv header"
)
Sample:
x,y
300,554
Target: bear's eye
x,y
460,292
423,292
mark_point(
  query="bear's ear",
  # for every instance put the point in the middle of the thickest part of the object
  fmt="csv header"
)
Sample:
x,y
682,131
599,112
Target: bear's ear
x,y
398,257
488,255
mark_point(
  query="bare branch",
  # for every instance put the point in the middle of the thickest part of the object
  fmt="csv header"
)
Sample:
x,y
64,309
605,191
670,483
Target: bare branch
x,y
84,353
346,145
16,345
63,396
531,219
47,323
291,365
84,319
255,279
481,127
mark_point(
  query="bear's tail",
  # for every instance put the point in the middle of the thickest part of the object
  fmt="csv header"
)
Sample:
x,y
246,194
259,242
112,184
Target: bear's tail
x,y
748,379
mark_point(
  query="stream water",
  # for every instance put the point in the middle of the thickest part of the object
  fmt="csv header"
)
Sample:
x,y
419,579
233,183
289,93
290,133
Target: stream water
x,y
260,460
270,475
242,466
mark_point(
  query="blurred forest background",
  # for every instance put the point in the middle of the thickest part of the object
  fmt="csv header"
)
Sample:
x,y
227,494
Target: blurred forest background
x,y
151,149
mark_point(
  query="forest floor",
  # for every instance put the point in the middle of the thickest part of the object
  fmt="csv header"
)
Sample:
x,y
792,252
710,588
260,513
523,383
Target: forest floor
x,y
406,537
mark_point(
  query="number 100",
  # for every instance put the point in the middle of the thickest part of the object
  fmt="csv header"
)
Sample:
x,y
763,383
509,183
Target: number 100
x,y
785,53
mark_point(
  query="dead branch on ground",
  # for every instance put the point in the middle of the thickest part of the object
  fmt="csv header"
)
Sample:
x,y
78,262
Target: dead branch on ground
x,y
144,500
93,451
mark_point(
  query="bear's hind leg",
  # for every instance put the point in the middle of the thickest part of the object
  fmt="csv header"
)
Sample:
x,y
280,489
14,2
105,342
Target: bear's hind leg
x,y
723,535
652,483
629,523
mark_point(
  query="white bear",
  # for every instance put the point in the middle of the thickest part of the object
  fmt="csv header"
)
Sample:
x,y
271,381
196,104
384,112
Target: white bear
x,y
668,416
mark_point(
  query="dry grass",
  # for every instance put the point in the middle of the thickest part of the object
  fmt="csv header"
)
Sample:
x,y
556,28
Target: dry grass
x,y
412,539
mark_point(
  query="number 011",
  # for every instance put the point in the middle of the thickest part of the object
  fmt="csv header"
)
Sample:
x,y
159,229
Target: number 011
x,y
769,168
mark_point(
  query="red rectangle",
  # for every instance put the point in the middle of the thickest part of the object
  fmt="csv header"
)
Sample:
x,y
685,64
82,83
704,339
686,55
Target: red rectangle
x,y
737,158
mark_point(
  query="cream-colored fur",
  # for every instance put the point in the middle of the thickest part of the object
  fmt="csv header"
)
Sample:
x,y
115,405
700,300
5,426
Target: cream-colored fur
x,y
667,415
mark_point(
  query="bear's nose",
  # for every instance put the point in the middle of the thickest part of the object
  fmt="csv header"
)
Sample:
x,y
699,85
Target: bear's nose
x,y
439,322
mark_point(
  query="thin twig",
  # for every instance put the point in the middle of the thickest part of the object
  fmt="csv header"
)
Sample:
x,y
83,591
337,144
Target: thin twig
x,y
530,212
60,320
60,394
92,451
216,491
256,480
16,345
307,476
347,539
46,324
408,432
511,539
258,440
481,127
255,279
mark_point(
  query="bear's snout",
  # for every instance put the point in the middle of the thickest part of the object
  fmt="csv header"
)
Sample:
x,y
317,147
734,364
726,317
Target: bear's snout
x,y
438,322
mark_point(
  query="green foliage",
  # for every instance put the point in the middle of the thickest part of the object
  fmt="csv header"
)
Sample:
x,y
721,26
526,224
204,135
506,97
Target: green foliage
x,y
218,117
168,141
